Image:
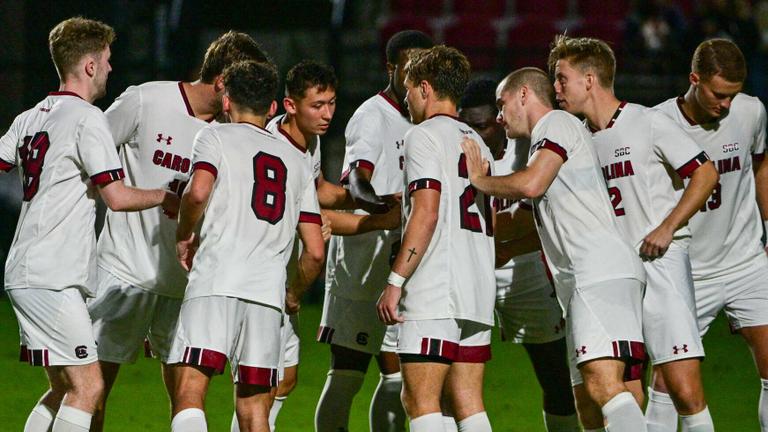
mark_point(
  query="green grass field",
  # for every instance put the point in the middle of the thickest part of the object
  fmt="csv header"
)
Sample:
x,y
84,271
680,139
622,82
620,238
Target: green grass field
x,y
513,399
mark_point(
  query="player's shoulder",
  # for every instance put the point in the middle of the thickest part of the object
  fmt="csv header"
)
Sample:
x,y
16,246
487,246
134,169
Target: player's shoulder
x,y
558,121
669,106
744,104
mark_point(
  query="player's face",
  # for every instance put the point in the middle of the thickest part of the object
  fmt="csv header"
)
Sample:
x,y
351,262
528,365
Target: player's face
x,y
315,112
103,68
570,87
510,114
414,101
483,120
714,94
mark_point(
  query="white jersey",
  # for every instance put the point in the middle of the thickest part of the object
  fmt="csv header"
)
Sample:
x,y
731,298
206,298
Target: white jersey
x,y
154,126
374,140
263,189
645,156
455,278
727,231
581,238
63,149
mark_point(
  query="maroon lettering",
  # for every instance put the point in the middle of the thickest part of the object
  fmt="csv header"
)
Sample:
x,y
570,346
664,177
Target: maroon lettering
x,y
171,161
618,170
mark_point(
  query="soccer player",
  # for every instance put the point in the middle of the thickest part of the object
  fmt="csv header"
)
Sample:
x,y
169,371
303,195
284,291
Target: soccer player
x,y
446,255
730,267
644,157
599,278
249,185
358,266
66,157
526,306
140,283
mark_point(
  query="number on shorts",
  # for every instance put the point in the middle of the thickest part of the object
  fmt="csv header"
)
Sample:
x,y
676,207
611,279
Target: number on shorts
x,y
615,200
269,179
32,158
471,220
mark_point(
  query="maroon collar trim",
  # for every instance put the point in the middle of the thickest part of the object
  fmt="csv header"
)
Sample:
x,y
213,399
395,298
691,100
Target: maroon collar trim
x,y
616,114
680,101
446,115
394,104
290,139
64,93
255,125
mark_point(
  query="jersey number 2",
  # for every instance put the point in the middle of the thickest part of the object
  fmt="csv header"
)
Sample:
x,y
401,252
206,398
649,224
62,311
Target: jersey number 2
x,y
615,194
269,177
471,220
32,158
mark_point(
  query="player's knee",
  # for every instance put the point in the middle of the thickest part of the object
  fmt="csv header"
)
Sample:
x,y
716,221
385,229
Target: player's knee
x,y
286,386
688,400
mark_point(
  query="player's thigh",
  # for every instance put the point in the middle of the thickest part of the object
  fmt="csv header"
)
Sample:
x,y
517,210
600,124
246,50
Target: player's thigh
x,y
422,387
747,299
164,321
756,338
464,387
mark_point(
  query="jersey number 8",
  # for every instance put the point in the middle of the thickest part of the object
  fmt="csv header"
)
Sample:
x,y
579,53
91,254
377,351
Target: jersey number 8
x,y
269,179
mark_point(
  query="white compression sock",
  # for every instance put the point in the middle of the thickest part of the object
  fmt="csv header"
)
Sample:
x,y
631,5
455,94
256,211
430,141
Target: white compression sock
x,y
660,414
699,422
475,423
428,423
235,427
762,408
70,419
341,386
622,414
386,413
40,419
189,420
450,424
274,411
556,423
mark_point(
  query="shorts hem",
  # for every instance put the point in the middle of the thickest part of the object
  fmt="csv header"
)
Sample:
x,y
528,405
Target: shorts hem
x,y
669,359
535,341
121,361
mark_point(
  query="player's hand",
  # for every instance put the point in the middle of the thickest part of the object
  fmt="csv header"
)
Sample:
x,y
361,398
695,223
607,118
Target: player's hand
x,y
657,242
387,305
186,249
392,219
477,166
393,200
292,304
326,228
170,204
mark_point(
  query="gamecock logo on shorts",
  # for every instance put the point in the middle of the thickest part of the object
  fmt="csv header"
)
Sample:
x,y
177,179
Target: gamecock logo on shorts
x,y
362,338
81,352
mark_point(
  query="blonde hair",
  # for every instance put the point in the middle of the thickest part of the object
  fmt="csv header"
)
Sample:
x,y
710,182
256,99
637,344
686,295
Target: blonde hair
x,y
445,69
75,38
586,55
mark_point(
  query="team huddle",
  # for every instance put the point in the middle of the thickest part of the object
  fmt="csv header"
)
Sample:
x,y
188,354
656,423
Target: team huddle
x,y
603,245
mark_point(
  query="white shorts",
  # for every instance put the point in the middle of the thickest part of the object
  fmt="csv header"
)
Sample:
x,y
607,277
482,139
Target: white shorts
x,y
669,309
352,324
390,339
54,326
526,304
605,320
124,315
744,298
216,328
450,340
290,343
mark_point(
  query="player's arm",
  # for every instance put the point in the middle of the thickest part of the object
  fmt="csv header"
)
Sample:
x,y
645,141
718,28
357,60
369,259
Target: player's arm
x,y
346,224
699,189
515,235
760,168
532,182
8,144
193,203
360,187
332,196
416,238
119,197
309,266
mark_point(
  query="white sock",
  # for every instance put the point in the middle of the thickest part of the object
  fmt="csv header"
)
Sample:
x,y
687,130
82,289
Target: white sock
x,y
428,423
70,419
235,427
475,423
450,424
341,386
556,423
40,419
660,414
699,422
189,420
386,413
622,414
762,408
275,410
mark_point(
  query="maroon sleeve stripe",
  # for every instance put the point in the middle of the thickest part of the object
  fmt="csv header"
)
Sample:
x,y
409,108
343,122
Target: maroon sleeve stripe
x,y
205,166
757,157
107,176
424,184
689,167
524,205
6,166
361,163
555,147
310,218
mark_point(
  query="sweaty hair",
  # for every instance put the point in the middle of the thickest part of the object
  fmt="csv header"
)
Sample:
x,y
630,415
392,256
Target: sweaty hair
x,y
479,92
446,69
251,85
586,55
229,48
536,80
309,74
719,57
75,38
407,40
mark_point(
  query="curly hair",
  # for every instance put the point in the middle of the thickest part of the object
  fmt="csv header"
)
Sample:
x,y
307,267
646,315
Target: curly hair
x,y
407,40
719,57
75,38
586,55
479,92
230,48
251,85
446,69
309,74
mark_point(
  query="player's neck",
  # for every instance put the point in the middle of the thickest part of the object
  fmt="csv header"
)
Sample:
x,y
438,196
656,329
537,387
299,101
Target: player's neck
x,y
436,107
693,110
600,109
203,99
238,117
390,93
79,88
290,126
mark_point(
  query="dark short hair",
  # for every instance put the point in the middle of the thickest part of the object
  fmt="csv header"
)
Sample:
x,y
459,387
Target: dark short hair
x,y
231,47
309,74
719,57
586,55
536,80
407,40
73,39
479,92
251,85
446,69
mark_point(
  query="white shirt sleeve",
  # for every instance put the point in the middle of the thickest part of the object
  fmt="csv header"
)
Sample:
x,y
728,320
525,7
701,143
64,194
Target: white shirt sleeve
x,y
96,149
422,161
760,132
310,207
675,146
363,137
124,114
8,147
206,151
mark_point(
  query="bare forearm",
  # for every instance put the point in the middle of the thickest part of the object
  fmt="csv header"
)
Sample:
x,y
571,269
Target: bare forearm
x,y
190,214
761,187
346,224
416,240
335,197
308,269
364,195
119,197
698,191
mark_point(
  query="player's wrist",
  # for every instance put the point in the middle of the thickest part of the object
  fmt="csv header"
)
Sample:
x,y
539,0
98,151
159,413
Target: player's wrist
x,y
395,280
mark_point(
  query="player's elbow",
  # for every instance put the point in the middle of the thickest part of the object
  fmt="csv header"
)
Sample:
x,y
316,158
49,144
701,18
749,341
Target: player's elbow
x,y
195,197
113,195
315,254
706,175
533,189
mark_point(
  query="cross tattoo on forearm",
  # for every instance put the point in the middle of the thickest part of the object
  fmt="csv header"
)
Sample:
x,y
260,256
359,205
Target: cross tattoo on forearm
x,y
413,252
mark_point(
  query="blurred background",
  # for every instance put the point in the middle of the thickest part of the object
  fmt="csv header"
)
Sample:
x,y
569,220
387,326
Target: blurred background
x,y
165,40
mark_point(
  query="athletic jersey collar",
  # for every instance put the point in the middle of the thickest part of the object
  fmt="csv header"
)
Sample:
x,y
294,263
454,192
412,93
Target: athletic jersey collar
x,y
254,125
64,93
445,115
189,107
680,101
394,104
290,138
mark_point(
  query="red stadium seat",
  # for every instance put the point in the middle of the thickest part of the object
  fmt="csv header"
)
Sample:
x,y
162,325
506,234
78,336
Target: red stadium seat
x,y
398,24
611,31
528,42
416,7
551,9
476,37
489,8
592,9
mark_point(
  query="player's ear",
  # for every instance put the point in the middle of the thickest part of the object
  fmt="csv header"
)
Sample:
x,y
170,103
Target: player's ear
x,y
589,80
218,84
390,70
694,78
226,104
272,109
425,89
89,66
289,105
523,92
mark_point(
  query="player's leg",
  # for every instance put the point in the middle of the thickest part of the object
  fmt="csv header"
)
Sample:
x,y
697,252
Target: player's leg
x,y
755,338
83,387
603,382
188,400
290,346
345,378
252,405
464,389
685,388
386,411
423,379
109,372
550,364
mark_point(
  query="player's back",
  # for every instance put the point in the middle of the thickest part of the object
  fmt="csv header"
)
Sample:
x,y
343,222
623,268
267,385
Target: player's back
x,y
260,194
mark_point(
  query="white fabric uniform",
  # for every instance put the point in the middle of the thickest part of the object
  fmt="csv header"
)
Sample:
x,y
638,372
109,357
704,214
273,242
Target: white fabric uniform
x,y
526,304
644,157
726,248
583,242
63,149
263,189
154,127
